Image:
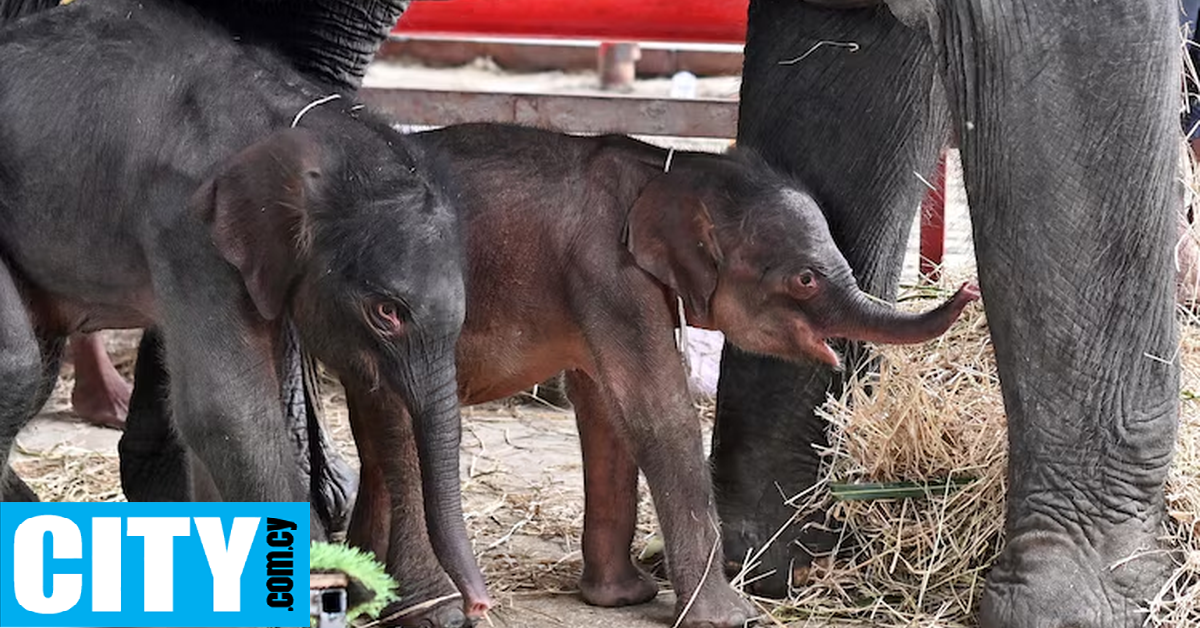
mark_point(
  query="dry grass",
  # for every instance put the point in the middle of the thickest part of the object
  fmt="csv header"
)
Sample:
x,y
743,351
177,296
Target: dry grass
x,y
937,414
65,474
1179,602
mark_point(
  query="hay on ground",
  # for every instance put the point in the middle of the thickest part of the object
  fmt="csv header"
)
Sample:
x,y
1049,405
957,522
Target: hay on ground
x,y
936,415
67,474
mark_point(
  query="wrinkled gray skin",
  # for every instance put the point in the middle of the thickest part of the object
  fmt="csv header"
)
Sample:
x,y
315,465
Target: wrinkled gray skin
x,y
1069,137
331,41
1065,115
151,465
148,183
156,465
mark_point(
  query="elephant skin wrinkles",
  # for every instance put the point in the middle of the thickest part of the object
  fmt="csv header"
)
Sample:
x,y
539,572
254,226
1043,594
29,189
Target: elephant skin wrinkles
x,y
148,176
1069,164
829,122
577,249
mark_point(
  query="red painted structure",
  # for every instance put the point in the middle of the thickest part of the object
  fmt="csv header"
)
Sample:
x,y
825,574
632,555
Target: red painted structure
x,y
695,21
933,226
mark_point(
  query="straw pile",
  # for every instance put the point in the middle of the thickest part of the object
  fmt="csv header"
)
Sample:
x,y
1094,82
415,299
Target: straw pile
x,y
1179,602
937,415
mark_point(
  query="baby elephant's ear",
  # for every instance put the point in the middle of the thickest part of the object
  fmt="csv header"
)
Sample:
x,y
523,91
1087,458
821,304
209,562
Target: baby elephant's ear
x,y
672,237
256,208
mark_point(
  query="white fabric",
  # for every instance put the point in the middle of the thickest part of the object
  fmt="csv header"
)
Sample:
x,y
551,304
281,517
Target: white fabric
x,y
704,358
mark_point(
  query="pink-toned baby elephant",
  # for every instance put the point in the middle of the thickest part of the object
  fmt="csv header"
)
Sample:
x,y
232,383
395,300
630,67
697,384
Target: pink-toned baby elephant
x,y
582,253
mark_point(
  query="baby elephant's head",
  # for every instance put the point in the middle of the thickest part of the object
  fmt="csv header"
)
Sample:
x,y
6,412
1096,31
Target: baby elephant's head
x,y
751,255
348,230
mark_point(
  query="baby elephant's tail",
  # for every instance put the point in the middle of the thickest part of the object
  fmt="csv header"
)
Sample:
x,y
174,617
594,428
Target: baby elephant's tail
x,y
11,10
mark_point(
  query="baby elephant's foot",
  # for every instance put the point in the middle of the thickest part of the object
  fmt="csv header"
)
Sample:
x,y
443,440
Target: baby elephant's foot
x,y
448,614
716,606
624,587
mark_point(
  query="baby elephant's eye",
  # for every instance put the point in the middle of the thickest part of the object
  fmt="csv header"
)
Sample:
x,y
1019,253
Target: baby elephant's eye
x,y
385,316
803,284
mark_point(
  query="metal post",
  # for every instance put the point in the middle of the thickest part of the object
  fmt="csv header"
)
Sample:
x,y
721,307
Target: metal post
x,y
618,66
327,599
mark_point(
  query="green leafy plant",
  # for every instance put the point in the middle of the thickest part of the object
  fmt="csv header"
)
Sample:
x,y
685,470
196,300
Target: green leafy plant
x,y
371,588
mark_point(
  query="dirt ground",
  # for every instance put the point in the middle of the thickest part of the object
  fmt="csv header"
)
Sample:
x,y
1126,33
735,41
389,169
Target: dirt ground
x,y
521,463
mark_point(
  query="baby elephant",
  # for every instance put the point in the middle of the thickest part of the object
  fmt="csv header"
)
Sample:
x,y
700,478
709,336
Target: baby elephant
x,y
583,254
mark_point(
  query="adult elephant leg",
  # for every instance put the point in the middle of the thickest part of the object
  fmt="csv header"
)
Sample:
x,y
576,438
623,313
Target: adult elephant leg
x,y
845,100
1070,133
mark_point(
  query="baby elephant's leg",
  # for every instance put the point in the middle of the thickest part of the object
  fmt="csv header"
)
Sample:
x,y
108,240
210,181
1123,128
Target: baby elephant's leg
x,y
389,514
155,463
101,395
610,478
14,489
28,370
641,377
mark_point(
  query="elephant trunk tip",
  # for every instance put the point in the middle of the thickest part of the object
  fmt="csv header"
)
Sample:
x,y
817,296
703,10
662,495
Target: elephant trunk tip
x,y
476,601
476,605
967,293
940,320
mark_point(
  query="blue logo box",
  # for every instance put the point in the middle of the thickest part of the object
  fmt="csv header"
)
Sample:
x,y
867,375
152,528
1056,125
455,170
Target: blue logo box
x,y
154,564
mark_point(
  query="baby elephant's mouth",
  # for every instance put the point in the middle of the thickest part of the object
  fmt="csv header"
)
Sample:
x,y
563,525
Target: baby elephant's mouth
x,y
825,353
815,345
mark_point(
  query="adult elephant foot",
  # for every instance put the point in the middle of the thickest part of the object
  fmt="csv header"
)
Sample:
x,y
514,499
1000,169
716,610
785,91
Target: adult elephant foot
x,y
1053,580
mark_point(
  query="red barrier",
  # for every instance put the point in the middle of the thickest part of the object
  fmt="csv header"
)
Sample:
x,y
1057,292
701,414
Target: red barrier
x,y
933,226
698,21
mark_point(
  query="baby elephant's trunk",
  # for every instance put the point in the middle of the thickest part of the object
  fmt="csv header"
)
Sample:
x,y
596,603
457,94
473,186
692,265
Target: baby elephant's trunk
x,y
438,430
864,318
